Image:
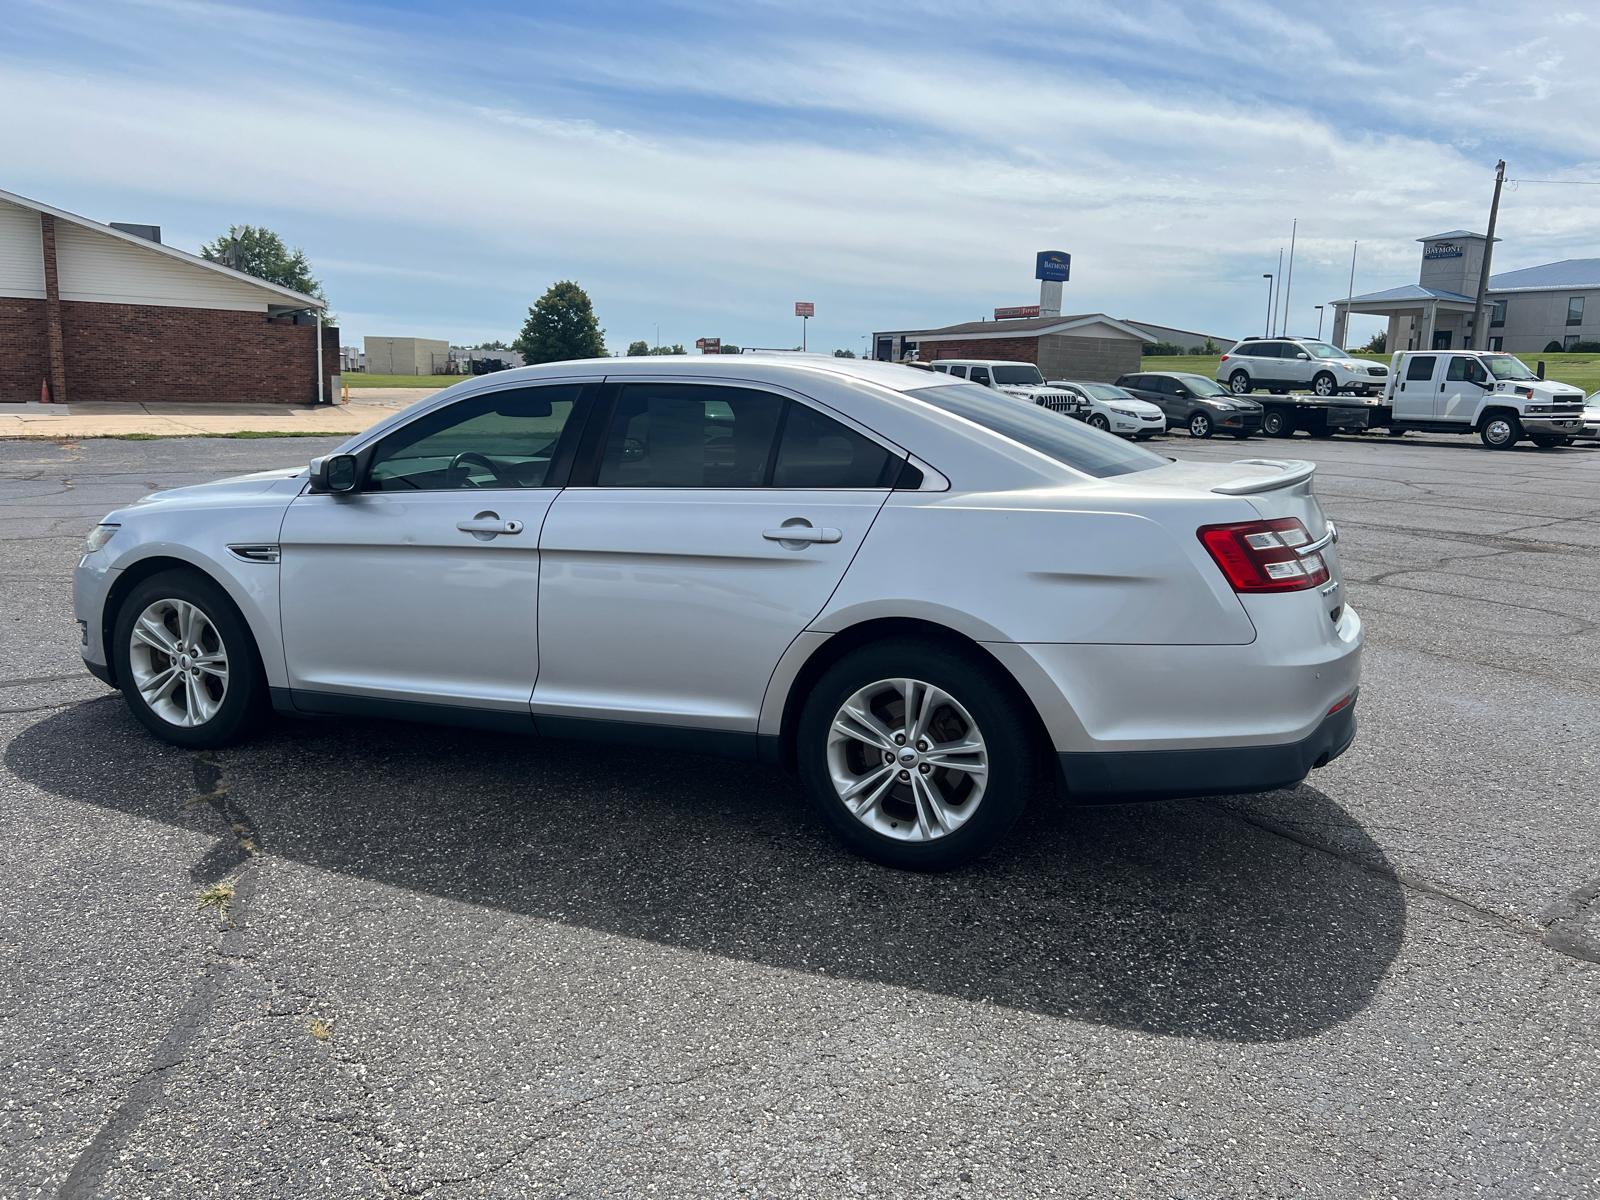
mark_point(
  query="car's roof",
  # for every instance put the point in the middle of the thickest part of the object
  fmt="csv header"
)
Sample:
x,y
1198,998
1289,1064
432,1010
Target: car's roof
x,y
775,366
985,362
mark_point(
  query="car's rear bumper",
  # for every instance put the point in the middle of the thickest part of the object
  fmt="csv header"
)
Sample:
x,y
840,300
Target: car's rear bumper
x,y
1117,777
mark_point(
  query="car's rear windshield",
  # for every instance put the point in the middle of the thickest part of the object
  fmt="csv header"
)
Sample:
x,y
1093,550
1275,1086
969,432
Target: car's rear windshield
x,y
1073,443
1025,374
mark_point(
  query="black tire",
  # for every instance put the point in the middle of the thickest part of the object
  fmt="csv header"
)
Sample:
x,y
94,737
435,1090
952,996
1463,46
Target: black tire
x,y
1397,433
1325,384
1277,423
1322,431
1240,384
1240,435
240,702
1201,425
1545,442
1000,716
1500,430
1098,420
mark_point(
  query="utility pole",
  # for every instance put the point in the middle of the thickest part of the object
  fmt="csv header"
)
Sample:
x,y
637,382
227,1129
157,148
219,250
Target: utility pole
x,y
1349,296
1288,284
1319,322
1480,332
1278,284
1269,277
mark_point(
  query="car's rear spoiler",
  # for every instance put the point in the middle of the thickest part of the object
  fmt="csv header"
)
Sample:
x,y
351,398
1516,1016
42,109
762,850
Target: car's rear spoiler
x,y
1290,472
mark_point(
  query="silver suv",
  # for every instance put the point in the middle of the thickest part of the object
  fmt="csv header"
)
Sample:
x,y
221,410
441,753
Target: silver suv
x,y
1286,364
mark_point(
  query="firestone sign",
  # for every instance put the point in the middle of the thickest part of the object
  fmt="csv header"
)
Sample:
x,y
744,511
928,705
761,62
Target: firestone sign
x,y
1442,250
1011,314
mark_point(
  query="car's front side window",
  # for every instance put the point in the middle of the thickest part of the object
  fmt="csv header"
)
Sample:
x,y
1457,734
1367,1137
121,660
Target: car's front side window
x,y
504,439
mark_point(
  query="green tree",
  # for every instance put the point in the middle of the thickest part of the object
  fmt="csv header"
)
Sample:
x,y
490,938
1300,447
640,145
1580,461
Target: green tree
x,y
730,348
675,348
844,353
1379,343
1162,349
497,344
1551,347
256,250
561,326
638,349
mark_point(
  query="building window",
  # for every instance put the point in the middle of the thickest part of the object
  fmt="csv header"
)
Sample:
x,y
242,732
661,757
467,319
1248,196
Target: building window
x,y
1497,343
1575,310
1568,342
1498,317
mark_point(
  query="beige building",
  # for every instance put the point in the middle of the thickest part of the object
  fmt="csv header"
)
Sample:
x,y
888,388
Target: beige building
x,y
407,356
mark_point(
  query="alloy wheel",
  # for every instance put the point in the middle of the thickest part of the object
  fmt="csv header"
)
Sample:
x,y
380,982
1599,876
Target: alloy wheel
x,y
1200,426
907,760
179,663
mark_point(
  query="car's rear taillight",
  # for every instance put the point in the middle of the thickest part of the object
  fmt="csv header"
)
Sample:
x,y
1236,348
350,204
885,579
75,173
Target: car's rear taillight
x,y
1224,358
1265,556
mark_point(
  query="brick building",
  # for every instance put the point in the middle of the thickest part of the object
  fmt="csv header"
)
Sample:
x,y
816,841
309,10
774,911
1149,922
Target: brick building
x,y
102,313
1087,346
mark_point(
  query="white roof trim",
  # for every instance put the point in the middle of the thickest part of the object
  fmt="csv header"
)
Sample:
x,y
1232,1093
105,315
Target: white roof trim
x,y
301,300
1000,330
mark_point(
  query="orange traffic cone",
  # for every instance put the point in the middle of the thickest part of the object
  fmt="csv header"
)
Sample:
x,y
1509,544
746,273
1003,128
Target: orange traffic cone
x,y
44,391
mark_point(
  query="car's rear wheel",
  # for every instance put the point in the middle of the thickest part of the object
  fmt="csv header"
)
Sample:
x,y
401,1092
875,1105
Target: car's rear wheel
x,y
1098,420
915,754
1239,381
1200,425
186,661
1545,442
1325,384
1500,431
1277,423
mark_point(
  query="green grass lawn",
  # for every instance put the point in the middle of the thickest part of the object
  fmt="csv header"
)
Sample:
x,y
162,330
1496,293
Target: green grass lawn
x,y
1580,370
355,379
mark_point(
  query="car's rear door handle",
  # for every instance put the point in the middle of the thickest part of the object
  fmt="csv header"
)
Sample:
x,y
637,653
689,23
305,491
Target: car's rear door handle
x,y
802,533
487,525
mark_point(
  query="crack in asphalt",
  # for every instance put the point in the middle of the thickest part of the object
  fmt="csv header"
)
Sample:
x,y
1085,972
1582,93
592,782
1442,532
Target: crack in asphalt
x,y
1560,933
100,1155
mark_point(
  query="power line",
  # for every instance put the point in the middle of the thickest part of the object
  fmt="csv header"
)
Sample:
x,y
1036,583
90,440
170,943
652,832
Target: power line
x,y
1575,182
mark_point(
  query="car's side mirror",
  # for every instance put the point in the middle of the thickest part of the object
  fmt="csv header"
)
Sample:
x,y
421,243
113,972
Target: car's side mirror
x,y
334,473
1303,356
1541,369
1182,393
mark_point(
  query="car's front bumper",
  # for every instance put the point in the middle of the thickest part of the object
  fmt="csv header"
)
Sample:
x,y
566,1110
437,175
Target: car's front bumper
x,y
1558,426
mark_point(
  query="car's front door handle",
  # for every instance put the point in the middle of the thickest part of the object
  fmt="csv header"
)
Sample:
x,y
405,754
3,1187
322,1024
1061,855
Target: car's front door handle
x,y
487,525
802,533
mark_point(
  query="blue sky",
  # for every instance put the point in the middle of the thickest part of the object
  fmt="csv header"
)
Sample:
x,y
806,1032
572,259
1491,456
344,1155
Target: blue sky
x,y
699,167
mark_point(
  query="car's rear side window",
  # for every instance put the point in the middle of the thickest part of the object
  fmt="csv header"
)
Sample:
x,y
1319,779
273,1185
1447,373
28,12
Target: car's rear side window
x,y
818,452
1421,368
1069,442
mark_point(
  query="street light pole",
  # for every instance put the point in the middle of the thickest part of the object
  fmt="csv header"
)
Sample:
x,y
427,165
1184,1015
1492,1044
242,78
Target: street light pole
x,y
1288,284
1480,335
1319,322
1268,277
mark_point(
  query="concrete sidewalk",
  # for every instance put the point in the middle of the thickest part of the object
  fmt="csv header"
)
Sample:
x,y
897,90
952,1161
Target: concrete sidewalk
x,y
367,407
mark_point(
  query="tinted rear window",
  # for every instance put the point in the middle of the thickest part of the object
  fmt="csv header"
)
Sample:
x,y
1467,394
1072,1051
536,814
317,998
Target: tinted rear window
x,y
1070,442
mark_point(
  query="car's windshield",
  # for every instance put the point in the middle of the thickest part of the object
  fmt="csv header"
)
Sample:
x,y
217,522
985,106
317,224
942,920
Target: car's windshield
x,y
1201,386
1323,350
1106,391
1024,375
1073,443
1507,366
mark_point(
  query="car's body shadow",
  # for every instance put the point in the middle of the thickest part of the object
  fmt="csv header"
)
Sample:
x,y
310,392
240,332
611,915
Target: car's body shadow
x,y
1175,918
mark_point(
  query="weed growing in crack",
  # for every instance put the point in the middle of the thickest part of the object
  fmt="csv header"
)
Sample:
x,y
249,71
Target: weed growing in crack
x,y
320,1029
218,896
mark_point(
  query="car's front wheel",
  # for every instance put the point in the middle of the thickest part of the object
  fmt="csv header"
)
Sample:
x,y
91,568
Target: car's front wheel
x,y
1098,420
915,754
1500,431
1200,425
1239,381
186,661
1324,384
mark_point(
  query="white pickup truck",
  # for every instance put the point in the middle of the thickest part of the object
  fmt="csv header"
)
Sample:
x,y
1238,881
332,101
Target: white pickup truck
x,y
1491,394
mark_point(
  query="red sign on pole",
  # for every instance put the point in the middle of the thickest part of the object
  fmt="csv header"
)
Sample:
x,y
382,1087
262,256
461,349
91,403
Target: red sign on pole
x,y
804,308
1011,314
709,345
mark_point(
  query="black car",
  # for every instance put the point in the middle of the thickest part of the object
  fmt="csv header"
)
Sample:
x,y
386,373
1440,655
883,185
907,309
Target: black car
x,y
1200,405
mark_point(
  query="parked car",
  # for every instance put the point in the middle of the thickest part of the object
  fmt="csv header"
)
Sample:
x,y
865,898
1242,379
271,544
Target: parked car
x,y
903,587
1287,364
1195,403
1591,419
1019,379
1109,407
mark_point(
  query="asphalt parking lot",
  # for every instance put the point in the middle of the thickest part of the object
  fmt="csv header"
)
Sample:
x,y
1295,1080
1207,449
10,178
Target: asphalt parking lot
x,y
459,964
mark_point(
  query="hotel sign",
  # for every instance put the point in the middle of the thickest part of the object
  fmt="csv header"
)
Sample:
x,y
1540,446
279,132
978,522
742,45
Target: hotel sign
x,y
1442,250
